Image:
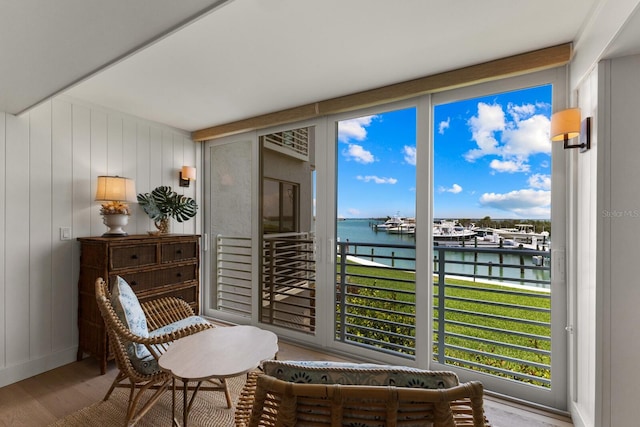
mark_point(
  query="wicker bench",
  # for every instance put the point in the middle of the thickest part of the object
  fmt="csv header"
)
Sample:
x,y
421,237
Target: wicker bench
x,y
327,396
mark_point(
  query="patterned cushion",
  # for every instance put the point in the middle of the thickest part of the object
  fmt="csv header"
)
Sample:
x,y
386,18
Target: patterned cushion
x,y
358,374
127,307
180,324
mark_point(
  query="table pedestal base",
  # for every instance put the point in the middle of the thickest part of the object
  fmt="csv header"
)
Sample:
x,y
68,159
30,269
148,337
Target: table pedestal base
x,y
188,402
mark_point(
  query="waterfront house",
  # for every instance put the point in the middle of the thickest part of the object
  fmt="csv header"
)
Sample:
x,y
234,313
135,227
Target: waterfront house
x,y
63,123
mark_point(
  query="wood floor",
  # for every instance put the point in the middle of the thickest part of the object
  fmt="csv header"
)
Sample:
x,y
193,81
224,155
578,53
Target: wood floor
x,y
41,400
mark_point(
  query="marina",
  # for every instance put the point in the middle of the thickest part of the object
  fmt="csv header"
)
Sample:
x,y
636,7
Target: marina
x,y
452,232
484,253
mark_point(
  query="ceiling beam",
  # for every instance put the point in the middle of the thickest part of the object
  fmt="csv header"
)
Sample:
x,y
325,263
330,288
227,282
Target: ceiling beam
x,y
493,70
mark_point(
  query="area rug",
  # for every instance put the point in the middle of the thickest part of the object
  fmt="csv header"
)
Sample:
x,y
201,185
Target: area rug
x,y
209,409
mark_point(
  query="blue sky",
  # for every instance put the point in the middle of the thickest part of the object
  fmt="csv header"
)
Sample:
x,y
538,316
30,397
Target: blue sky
x,y
492,157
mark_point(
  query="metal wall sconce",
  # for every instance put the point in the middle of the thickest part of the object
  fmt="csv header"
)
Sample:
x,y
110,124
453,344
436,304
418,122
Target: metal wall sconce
x,y
566,124
187,174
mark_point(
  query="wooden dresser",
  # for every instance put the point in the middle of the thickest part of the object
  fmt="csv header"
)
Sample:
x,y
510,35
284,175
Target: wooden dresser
x,y
154,266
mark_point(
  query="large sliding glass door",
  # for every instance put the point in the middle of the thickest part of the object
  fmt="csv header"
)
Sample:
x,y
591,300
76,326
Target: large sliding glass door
x,y
375,225
498,238
360,243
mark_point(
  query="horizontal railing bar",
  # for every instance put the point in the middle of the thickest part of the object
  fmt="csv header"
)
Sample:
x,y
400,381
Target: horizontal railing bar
x,y
495,278
503,331
499,343
493,316
356,338
364,276
381,289
410,356
499,357
541,295
493,369
501,304
381,310
383,322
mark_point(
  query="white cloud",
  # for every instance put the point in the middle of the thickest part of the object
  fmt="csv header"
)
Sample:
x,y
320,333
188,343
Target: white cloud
x,y
540,181
455,189
512,141
354,129
376,179
353,212
444,125
509,166
358,153
410,155
525,203
520,112
489,120
527,137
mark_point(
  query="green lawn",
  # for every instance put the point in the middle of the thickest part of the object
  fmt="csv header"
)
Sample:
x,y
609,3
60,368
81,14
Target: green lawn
x,y
381,306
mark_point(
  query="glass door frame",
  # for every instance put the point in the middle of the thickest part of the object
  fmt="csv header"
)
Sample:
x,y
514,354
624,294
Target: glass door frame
x,y
327,195
557,396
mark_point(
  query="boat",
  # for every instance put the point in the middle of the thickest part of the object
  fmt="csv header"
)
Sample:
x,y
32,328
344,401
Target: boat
x,y
450,230
524,233
392,222
408,226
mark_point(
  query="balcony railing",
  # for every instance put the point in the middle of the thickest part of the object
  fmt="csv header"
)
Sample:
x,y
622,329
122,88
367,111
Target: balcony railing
x,y
491,306
288,294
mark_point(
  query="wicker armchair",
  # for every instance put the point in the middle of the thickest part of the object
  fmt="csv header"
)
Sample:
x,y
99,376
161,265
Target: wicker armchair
x,y
267,401
160,315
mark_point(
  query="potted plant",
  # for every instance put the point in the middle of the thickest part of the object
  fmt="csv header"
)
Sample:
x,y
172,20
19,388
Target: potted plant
x,y
163,204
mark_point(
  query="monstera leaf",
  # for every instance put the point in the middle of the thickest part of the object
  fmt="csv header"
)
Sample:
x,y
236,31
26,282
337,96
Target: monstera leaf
x,y
163,203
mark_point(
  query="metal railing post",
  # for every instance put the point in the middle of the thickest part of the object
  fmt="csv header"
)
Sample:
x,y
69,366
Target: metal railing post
x,y
441,301
343,290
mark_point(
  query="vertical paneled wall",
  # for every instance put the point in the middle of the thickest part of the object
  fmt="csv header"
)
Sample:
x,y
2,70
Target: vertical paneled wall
x,y
50,159
620,201
582,253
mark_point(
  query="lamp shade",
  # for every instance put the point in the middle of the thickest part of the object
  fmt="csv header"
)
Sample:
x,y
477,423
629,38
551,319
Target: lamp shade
x,y
565,122
115,188
188,172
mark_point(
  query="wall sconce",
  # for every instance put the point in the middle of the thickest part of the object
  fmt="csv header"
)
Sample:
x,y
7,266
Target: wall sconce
x,y
115,191
566,124
187,174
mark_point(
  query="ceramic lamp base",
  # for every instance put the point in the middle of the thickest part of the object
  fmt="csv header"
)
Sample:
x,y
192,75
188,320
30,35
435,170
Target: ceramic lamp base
x,y
115,224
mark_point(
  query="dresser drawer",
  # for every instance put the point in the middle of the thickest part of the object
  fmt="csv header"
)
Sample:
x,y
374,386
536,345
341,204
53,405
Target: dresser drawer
x,y
151,280
188,294
133,256
171,252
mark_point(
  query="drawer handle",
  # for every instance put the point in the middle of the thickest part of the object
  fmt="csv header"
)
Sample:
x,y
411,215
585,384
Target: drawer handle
x,y
179,251
178,274
134,256
134,283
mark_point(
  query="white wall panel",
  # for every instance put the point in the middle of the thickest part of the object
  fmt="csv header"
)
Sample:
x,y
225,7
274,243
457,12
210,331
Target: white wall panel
x,y
3,128
584,284
624,290
99,164
82,176
39,194
167,161
143,171
115,150
50,159
155,163
16,205
63,275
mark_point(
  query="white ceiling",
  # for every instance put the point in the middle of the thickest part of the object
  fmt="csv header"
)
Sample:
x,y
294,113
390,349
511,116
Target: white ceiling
x,y
249,57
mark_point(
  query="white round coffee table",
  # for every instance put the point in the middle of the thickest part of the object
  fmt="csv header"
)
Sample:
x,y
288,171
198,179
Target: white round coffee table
x,y
217,353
